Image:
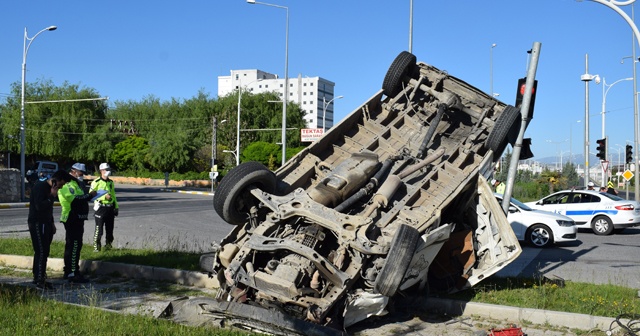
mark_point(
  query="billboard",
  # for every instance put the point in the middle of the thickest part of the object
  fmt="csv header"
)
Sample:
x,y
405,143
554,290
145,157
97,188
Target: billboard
x,y
311,134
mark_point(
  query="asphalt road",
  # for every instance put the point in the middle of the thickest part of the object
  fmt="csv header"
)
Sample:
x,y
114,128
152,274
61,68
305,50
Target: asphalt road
x,y
150,217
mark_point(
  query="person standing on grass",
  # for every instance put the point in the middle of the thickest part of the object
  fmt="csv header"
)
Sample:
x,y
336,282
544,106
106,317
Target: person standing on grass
x,y
42,226
106,208
75,210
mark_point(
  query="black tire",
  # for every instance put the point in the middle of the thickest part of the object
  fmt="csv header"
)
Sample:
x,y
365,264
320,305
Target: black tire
x,y
402,66
232,199
499,136
602,226
403,246
539,235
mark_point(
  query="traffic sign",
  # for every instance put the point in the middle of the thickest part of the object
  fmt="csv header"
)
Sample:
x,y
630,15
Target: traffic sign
x,y
605,165
627,175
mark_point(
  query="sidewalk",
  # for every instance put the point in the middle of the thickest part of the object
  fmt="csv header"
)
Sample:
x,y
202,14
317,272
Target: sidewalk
x,y
117,287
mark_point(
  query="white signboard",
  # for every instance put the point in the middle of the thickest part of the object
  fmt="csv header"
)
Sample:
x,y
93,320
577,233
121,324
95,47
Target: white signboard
x,y
311,134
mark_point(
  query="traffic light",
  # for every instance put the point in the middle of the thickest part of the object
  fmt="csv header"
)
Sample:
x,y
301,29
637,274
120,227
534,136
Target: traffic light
x,y
520,95
602,149
629,154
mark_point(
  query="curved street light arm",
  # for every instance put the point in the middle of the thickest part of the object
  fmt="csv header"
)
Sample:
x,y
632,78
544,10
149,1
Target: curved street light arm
x,y
25,50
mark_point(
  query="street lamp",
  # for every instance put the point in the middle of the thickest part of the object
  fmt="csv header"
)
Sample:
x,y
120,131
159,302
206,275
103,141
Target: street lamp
x,y
324,111
604,97
557,143
237,151
232,152
586,78
619,151
286,78
491,67
214,142
614,4
25,50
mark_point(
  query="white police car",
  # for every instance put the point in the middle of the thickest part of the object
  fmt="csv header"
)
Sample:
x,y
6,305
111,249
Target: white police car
x,y
602,212
539,228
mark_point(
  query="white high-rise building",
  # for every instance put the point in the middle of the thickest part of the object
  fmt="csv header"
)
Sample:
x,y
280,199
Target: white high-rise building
x,y
311,93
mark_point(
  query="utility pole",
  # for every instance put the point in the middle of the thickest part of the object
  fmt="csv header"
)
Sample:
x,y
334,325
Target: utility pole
x,y
214,145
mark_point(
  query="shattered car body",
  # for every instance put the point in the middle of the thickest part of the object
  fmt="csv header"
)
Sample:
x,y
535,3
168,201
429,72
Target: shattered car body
x,y
393,199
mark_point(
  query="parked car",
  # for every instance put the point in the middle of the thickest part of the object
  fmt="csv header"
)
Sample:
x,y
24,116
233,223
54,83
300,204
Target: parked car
x,y
539,228
602,212
41,170
392,201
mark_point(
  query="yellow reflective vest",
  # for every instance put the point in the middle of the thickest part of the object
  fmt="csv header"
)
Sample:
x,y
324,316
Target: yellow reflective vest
x,y
101,184
73,202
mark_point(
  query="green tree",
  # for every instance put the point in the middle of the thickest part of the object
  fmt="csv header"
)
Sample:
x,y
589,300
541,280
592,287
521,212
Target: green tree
x,y
263,152
56,126
131,154
570,175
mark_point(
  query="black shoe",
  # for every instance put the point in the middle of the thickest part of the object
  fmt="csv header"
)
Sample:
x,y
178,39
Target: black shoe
x,y
45,285
77,278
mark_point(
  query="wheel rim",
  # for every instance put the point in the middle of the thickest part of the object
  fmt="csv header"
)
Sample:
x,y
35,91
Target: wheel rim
x,y
601,225
540,237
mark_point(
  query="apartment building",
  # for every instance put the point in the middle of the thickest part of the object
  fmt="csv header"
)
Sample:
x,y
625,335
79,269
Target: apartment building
x,y
313,94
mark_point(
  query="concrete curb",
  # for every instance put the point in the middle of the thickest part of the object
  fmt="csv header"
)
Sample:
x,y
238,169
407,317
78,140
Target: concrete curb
x,y
535,316
20,205
450,307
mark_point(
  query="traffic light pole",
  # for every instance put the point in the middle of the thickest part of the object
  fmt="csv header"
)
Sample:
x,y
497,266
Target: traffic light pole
x,y
524,112
602,155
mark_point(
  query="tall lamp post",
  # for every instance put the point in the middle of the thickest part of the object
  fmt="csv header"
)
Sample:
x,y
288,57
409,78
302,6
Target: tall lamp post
x,y
237,150
557,143
614,5
324,111
25,50
605,90
286,78
586,78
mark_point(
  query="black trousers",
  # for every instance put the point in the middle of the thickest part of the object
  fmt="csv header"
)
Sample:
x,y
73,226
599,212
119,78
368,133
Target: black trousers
x,y
74,229
104,222
41,237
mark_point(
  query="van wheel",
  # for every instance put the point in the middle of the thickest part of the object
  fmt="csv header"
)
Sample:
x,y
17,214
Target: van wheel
x,y
403,246
233,199
498,138
602,226
402,66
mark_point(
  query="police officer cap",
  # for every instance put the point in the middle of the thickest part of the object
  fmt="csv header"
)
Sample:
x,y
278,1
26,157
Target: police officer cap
x,y
79,166
104,165
493,181
590,184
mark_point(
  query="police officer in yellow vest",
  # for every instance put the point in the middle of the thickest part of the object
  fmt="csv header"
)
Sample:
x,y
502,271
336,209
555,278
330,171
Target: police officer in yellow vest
x,y
499,185
106,208
75,210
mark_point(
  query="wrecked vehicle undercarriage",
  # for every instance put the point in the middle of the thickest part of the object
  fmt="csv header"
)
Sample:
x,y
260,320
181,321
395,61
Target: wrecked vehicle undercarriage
x,y
392,199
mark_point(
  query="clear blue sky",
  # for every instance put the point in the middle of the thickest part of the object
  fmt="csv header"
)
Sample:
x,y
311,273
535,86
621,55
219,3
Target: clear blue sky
x,y
127,50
